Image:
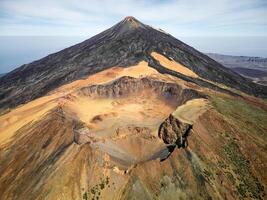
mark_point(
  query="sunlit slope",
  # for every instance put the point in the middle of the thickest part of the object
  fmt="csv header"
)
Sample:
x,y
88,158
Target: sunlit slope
x,y
16,118
97,138
172,65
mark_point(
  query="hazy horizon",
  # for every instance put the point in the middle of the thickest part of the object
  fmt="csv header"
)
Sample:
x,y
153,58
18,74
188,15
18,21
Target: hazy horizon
x,y
18,50
177,17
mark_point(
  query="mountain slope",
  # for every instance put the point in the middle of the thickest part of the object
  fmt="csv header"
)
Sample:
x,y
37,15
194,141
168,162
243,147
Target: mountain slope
x,y
101,142
124,44
146,127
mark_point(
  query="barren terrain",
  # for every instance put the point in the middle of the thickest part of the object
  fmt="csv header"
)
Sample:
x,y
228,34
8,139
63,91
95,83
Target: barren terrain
x,y
131,113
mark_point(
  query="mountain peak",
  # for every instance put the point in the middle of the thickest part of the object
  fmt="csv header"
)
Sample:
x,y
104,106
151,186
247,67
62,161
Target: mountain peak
x,y
131,20
130,23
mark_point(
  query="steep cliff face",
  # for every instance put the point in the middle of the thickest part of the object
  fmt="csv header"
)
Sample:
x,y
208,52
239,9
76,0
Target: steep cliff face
x,y
125,44
125,86
174,131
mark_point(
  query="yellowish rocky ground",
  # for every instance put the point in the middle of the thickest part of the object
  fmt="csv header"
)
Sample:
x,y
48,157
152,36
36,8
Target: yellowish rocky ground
x,y
32,111
191,110
172,65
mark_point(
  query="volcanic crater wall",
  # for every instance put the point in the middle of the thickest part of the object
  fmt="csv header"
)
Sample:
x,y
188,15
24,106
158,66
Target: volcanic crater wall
x,y
125,86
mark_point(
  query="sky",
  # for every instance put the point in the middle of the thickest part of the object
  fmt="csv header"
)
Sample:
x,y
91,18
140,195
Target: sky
x,y
31,29
178,17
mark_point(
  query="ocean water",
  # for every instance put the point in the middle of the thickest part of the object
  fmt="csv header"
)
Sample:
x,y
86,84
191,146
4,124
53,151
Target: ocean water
x,y
18,50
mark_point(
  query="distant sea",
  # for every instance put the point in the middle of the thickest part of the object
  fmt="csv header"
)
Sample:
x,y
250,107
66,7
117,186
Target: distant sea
x,y
18,50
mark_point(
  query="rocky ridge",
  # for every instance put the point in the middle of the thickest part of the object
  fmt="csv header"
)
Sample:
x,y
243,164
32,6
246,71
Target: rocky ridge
x,y
126,86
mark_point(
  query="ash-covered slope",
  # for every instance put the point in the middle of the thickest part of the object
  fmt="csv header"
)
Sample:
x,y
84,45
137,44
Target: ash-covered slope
x,y
124,44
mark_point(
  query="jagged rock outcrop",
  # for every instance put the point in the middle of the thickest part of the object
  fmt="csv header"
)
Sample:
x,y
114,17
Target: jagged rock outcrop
x,y
174,131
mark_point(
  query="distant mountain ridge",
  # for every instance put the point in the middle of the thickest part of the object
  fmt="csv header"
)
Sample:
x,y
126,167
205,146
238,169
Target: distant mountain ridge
x,y
236,61
254,68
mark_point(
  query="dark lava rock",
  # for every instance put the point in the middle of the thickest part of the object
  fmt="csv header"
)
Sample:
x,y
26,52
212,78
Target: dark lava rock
x,y
173,131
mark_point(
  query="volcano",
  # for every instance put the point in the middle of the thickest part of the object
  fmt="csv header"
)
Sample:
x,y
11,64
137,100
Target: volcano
x,y
131,113
125,44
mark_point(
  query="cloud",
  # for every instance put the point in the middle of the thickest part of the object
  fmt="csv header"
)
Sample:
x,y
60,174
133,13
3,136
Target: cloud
x,y
179,17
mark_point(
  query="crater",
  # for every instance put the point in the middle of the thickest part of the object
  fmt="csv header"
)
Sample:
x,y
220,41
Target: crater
x,y
122,117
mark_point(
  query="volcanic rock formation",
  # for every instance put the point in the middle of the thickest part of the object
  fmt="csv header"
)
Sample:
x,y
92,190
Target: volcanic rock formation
x,y
102,120
173,131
